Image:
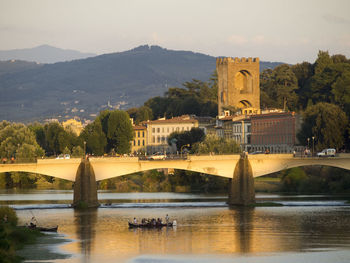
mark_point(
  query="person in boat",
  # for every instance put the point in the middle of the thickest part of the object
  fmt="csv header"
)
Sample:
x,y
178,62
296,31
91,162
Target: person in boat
x,y
167,218
135,220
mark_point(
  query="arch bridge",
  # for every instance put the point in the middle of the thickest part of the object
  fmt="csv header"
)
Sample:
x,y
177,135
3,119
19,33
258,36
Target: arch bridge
x,y
240,168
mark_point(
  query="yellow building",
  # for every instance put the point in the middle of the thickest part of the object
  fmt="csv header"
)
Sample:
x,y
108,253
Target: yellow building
x,y
140,138
74,125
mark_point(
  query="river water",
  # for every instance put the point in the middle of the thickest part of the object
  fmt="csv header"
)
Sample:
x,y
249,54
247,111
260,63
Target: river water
x,y
305,229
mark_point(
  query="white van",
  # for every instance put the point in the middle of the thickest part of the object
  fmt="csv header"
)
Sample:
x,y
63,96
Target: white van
x,y
326,153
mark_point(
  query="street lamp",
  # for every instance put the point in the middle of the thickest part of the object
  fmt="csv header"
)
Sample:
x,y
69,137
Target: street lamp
x,y
84,149
313,145
185,145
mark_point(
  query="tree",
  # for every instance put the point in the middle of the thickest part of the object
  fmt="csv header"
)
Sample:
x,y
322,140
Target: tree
x,y
215,144
278,88
143,113
16,140
323,60
341,91
327,123
303,73
94,137
186,137
120,132
77,151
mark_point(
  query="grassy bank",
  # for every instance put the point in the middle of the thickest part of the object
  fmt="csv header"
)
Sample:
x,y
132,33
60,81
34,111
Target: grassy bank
x,y
15,238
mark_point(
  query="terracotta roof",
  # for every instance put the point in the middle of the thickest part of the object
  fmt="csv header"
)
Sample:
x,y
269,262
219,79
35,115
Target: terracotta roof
x,y
273,114
139,127
172,120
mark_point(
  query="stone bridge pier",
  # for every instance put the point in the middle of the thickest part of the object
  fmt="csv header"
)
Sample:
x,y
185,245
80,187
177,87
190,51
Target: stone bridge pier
x,y
85,186
241,188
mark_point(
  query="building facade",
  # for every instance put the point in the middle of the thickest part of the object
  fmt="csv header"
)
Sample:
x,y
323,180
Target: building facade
x,y
139,143
238,83
275,132
237,128
159,130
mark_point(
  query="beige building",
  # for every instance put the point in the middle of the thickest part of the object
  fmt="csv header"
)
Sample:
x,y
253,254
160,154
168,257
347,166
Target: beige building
x,y
159,130
74,125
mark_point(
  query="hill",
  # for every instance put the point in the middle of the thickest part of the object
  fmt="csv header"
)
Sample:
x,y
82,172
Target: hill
x,y
86,86
43,54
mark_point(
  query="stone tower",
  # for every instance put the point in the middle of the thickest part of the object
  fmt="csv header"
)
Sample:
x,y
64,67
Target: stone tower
x,y
238,83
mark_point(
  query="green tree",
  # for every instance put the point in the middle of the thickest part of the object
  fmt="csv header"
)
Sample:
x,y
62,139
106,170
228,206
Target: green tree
x,y
77,151
303,72
292,179
278,88
217,145
323,60
94,137
186,137
120,132
143,113
16,140
341,91
327,123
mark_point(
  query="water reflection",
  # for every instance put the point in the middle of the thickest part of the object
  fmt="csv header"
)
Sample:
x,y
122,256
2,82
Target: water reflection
x,y
243,218
85,222
102,235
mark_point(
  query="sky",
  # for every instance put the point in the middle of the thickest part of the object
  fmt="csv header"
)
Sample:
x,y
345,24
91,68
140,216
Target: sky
x,y
290,31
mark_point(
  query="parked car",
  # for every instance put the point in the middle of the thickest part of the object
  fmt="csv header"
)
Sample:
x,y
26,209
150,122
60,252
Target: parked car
x,y
157,156
327,152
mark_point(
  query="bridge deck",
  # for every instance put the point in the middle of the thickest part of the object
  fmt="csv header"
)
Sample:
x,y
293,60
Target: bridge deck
x,y
220,165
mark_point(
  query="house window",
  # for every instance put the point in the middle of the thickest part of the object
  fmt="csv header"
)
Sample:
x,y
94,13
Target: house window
x,y
143,134
153,130
138,142
143,142
138,134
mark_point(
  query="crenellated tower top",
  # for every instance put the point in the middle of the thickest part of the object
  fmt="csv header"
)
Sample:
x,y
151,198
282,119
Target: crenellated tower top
x,y
236,60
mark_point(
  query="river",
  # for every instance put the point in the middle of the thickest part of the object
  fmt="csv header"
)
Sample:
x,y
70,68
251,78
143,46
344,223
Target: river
x,y
305,229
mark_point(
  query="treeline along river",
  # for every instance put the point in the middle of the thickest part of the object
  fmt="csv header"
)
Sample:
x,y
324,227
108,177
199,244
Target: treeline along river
x,y
305,229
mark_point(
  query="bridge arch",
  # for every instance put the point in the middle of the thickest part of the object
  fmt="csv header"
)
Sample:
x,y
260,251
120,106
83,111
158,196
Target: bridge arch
x,y
267,164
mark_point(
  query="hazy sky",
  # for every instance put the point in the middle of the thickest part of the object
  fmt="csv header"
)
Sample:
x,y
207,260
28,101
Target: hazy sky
x,y
274,30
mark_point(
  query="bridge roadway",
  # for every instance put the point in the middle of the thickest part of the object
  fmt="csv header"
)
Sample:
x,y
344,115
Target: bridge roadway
x,y
220,165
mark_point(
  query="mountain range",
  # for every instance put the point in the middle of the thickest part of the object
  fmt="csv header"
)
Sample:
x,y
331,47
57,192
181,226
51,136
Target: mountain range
x,y
83,87
43,54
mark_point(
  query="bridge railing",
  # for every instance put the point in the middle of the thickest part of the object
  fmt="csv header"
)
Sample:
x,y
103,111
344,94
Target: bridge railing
x,y
167,157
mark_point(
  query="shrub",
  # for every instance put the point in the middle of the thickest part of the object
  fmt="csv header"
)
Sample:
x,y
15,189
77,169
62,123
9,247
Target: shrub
x,y
10,215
